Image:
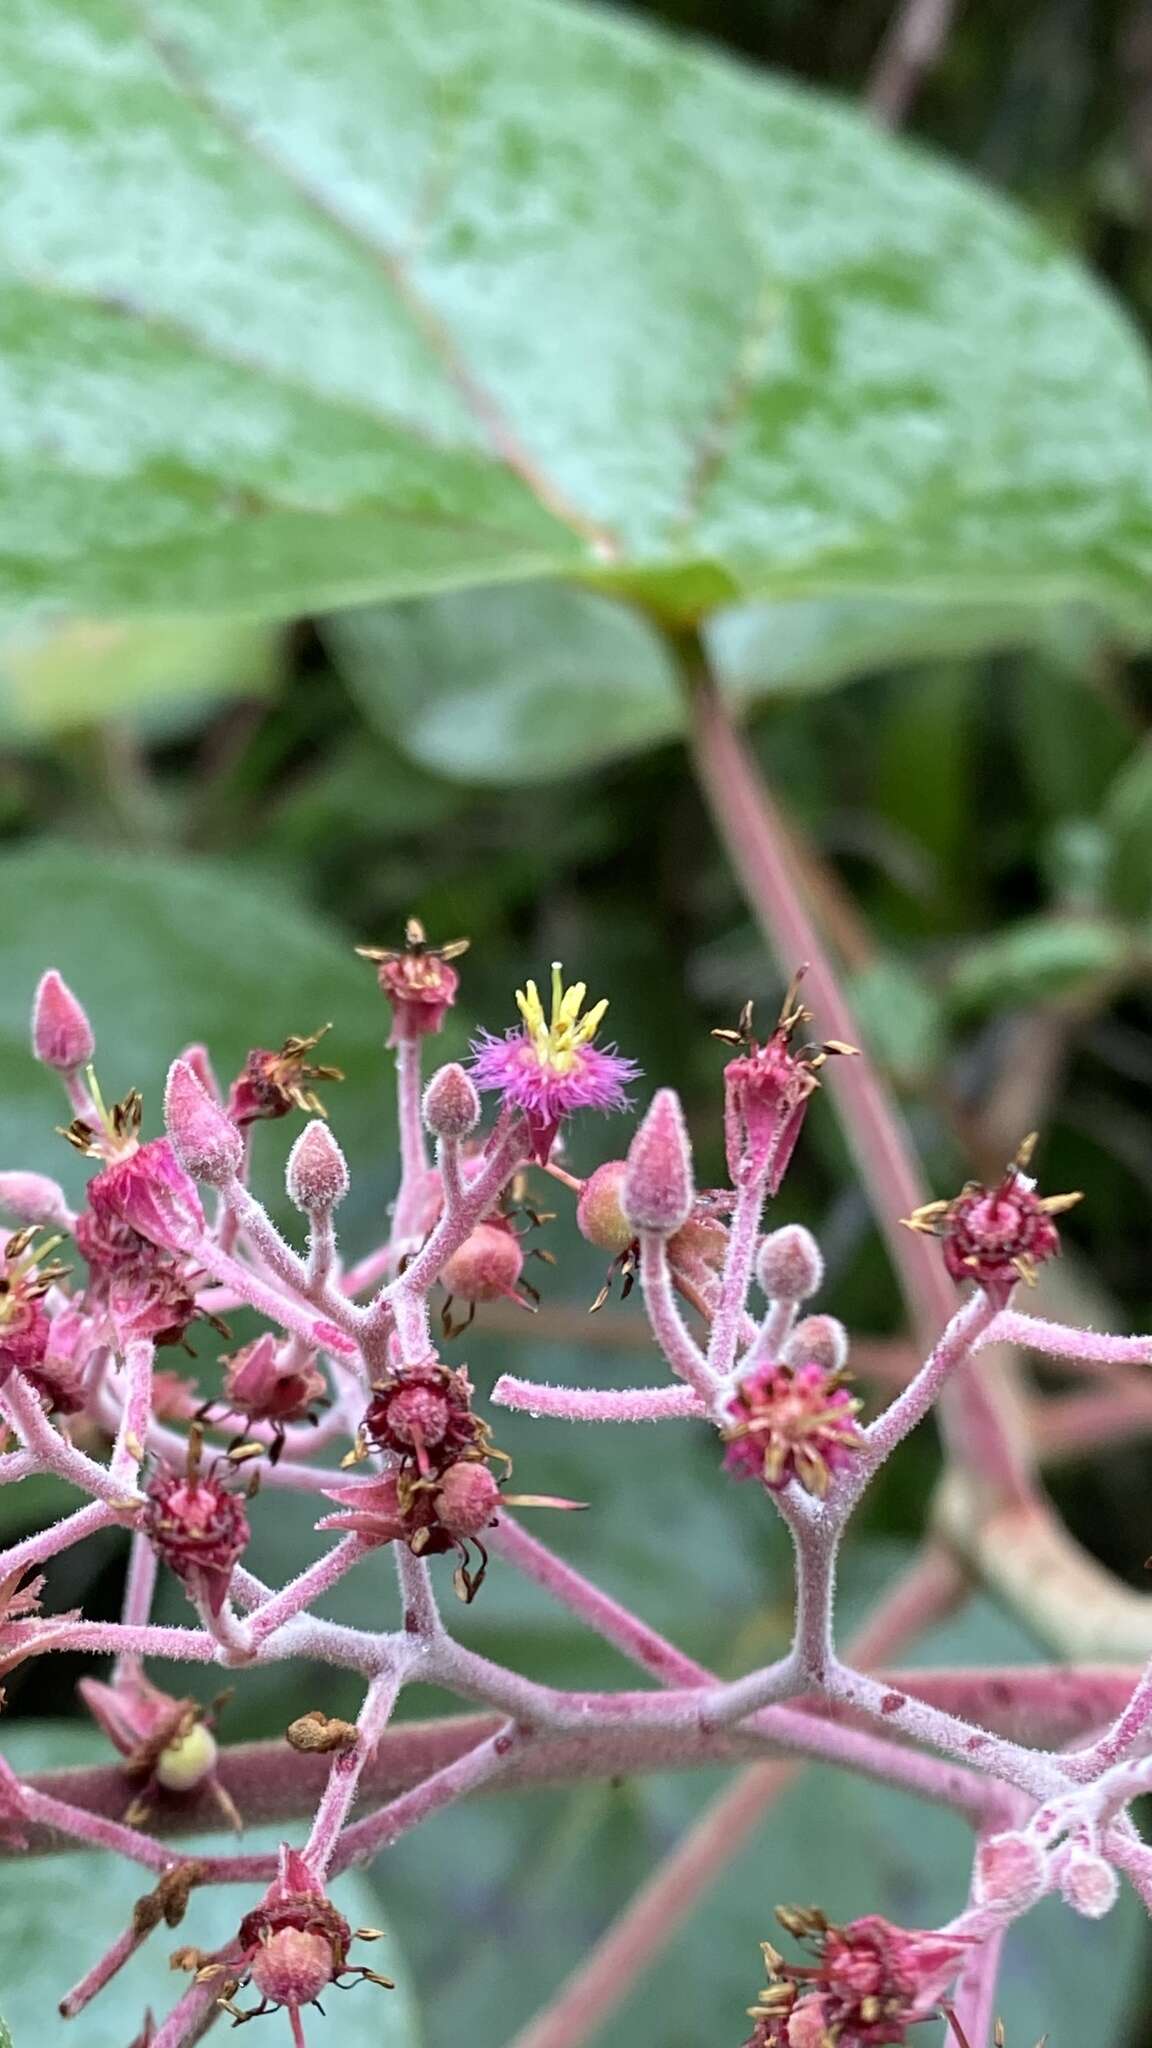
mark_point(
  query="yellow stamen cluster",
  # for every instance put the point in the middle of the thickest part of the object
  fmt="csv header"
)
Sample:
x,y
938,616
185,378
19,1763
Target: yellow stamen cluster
x,y
557,1040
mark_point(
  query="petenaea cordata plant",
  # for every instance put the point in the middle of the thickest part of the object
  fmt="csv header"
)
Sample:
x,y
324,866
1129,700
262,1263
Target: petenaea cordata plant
x,y
346,1395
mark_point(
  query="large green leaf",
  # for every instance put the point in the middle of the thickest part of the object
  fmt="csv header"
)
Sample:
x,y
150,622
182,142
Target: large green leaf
x,y
310,305
64,1911
510,685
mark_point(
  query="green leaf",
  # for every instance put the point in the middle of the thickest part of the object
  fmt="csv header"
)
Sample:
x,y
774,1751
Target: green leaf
x,y
814,644
517,685
1037,958
66,1910
900,1019
56,676
489,290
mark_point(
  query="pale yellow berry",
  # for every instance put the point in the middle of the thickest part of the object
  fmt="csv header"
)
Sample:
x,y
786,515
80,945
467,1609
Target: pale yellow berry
x,y
187,1761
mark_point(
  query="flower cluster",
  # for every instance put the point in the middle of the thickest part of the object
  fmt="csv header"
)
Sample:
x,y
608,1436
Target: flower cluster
x,y
345,1390
865,1985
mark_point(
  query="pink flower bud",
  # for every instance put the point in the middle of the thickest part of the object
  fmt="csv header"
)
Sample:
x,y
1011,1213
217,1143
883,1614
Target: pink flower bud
x,y
451,1103
789,1265
199,1059
317,1171
818,1340
198,1528
1087,1883
33,1198
1011,1872
205,1141
61,1034
599,1212
658,1190
487,1265
467,1499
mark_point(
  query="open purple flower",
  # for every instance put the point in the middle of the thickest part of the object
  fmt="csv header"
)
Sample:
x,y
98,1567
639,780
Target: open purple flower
x,y
550,1067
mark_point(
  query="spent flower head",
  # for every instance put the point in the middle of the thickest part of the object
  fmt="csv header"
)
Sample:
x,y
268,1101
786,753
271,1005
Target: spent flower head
x,y
790,1422
767,1089
997,1236
271,1084
419,981
550,1066
290,1949
865,1985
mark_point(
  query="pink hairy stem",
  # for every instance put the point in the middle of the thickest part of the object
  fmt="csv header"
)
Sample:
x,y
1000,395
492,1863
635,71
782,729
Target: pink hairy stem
x,y
931,1588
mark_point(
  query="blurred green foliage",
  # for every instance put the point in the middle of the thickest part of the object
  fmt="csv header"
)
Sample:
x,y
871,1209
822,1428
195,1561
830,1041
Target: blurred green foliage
x,y
942,670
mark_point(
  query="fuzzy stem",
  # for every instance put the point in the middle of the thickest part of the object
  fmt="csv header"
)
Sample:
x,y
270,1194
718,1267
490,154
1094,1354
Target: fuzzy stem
x,y
345,1773
365,1838
728,1319
477,1196
649,1923
22,1409
301,1591
974,2003
1060,1340
599,1404
139,1591
297,1316
668,1326
959,1338
93,1828
413,1145
59,1536
190,2020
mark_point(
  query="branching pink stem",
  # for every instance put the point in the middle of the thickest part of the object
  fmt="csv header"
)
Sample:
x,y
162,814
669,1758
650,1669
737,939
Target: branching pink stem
x,y
307,1587
365,1838
345,1773
51,1450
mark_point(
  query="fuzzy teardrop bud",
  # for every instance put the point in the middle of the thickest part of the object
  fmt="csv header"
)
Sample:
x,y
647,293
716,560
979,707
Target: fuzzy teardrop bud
x,y
600,1213
789,1264
658,1190
1088,1884
1011,1872
199,1059
61,1034
451,1102
205,1140
317,1171
822,1340
33,1198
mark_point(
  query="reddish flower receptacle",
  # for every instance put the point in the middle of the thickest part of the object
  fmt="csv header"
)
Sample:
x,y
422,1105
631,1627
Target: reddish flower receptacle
x,y
792,1422
997,1236
198,1527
